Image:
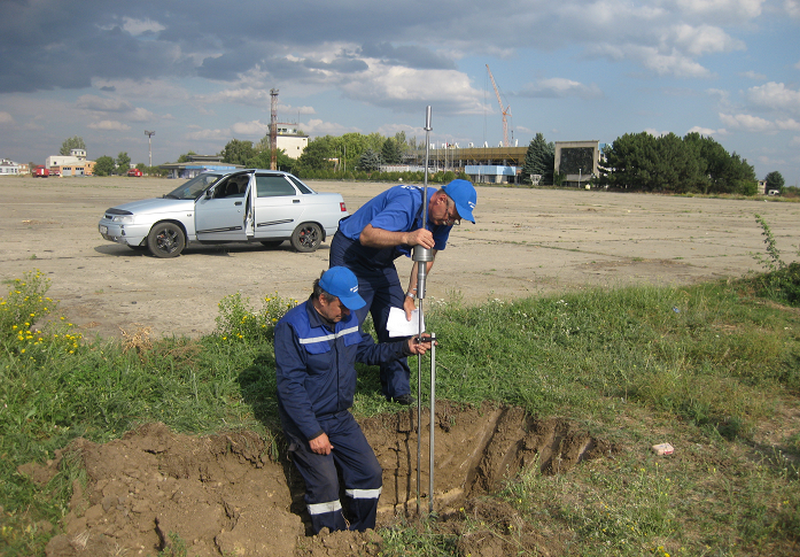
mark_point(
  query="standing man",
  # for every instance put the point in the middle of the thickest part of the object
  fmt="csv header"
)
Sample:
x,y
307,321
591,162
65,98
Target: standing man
x,y
316,347
386,227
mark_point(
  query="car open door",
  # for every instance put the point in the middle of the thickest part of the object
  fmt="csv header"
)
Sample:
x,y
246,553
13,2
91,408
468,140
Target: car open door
x,y
279,206
224,213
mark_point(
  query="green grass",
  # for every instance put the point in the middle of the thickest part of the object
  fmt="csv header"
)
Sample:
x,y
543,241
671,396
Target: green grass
x,y
704,367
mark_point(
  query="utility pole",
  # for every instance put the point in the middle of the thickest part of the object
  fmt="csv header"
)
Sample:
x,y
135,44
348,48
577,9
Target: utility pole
x,y
150,135
273,129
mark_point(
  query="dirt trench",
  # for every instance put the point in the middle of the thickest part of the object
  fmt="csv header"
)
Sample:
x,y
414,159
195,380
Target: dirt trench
x,y
222,494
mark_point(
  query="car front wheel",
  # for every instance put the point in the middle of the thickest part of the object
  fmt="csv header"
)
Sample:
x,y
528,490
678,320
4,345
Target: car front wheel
x,y
166,239
307,237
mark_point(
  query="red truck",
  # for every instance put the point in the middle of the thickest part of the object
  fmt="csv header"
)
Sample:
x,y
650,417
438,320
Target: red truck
x,y
41,172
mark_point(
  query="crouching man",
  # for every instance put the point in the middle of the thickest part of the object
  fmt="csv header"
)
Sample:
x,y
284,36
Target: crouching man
x,y
316,347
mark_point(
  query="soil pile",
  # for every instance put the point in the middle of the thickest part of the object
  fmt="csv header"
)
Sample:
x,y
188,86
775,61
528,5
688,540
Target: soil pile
x,y
223,495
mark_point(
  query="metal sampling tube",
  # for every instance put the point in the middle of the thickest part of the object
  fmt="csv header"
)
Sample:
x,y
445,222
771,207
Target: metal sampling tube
x,y
433,420
421,256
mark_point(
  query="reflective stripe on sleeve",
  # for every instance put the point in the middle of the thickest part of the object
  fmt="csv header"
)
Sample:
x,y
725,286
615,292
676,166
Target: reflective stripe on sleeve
x,y
363,493
331,336
323,508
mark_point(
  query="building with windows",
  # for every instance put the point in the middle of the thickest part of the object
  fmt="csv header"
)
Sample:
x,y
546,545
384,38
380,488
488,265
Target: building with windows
x,y
578,161
10,168
74,164
291,139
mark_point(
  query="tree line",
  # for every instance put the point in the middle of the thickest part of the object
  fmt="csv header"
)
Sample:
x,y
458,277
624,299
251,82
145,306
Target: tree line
x,y
664,164
633,162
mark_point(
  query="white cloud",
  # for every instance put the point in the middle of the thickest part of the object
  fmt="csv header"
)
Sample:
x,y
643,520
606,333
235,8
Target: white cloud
x,y
108,125
316,127
740,10
245,95
252,128
559,87
705,39
673,63
136,27
789,124
655,133
142,115
206,134
384,85
6,118
747,122
102,104
139,26
792,8
705,131
750,74
775,96
304,110
157,90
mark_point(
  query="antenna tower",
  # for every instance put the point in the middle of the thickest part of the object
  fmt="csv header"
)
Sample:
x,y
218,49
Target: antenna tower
x,y
273,129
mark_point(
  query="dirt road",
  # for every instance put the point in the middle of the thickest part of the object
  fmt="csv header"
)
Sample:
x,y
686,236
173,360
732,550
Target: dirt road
x,y
525,242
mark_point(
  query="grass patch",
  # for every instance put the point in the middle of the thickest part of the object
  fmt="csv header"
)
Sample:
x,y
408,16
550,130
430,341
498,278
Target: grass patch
x,y
703,367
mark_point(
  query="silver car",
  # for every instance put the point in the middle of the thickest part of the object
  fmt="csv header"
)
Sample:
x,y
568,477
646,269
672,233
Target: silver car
x,y
252,205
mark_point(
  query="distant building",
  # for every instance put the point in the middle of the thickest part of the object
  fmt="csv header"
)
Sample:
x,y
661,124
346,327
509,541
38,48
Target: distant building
x,y
291,140
10,168
74,164
578,161
196,165
491,173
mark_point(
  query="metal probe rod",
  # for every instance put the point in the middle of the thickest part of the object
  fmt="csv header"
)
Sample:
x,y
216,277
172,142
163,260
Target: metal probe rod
x,y
433,419
421,256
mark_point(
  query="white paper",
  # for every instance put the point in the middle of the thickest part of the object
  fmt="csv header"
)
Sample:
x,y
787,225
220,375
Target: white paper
x,y
399,326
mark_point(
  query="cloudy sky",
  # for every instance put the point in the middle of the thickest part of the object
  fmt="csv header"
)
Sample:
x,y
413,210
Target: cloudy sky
x,y
199,73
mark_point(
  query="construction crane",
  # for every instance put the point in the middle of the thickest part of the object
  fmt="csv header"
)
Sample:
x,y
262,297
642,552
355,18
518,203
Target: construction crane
x,y
506,111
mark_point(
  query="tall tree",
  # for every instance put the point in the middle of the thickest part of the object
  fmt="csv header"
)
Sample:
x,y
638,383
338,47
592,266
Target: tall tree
x,y
104,166
123,163
629,162
369,161
677,168
540,160
263,159
319,153
390,152
774,181
74,142
238,152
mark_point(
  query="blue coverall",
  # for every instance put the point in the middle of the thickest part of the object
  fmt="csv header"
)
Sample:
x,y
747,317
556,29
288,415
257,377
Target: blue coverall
x,y
316,380
398,209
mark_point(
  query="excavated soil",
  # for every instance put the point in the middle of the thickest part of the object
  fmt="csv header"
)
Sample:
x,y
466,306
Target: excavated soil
x,y
224,495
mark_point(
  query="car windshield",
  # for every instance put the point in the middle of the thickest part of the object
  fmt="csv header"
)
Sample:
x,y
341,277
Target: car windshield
x,y
194,187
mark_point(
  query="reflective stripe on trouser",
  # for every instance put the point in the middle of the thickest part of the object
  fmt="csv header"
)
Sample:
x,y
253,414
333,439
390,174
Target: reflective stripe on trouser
x,y
360,471
381,290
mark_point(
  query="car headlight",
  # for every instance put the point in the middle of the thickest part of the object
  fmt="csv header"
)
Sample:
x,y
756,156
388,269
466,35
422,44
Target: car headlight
x,y
122,219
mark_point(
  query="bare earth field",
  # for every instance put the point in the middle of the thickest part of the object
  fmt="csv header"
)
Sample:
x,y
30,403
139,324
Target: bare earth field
x,y
526,242
222,494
